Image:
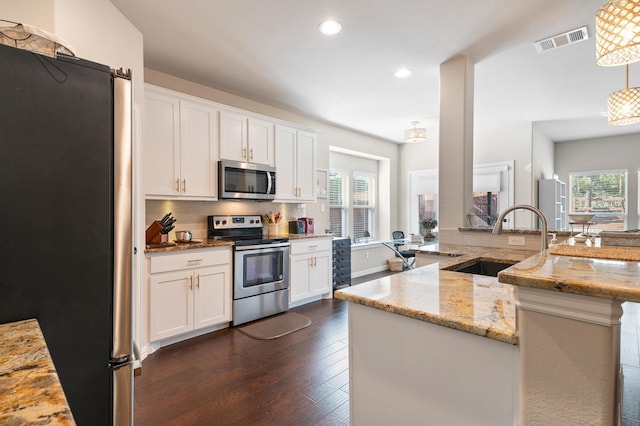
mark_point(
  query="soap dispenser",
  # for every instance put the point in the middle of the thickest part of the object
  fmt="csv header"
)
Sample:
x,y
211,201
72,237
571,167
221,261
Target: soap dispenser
x,y
554,241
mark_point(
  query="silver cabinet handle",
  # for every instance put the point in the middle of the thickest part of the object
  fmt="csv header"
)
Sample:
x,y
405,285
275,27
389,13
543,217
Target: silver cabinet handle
x,y
244,152
178,185
184,185
198,281
251,154
194,260
190,282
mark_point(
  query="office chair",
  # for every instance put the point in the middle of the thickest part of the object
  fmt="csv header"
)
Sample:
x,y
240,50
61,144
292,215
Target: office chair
x,y
409,257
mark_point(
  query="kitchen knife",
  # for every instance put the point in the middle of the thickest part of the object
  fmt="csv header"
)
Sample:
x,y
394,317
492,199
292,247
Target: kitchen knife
x,y
165,219
167,230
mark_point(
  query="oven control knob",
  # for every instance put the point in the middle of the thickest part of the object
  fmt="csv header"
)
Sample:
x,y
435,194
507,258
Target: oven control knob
x,y
224,222
251,221
217,222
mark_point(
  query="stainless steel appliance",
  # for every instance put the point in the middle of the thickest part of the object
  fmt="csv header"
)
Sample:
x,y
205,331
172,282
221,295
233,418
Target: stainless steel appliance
x,y
246,181
260,267
67,250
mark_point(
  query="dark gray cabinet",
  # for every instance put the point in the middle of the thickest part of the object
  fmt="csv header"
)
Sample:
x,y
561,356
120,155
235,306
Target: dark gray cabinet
x,y
341,263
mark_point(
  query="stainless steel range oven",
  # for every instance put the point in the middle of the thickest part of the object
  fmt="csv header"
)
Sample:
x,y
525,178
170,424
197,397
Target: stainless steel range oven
x,y
260,267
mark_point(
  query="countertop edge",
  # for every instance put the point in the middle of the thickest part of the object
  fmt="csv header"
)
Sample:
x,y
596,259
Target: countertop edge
x,y
212,243
488,332
30,387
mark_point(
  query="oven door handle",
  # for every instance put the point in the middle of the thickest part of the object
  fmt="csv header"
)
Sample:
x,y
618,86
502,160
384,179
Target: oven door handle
x,y
262,246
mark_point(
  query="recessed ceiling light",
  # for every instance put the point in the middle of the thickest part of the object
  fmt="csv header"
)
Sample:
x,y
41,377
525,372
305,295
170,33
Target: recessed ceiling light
x,y
330,27
402,73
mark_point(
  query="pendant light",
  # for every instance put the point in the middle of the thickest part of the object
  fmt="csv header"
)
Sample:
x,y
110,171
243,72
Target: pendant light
x,y
624,105
618,33
417,134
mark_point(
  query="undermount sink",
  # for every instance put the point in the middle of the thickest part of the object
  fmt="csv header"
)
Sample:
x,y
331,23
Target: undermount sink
x,y
480,267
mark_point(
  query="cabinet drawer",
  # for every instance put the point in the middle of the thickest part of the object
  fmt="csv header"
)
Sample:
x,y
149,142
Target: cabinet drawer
x,y
190,259
311,245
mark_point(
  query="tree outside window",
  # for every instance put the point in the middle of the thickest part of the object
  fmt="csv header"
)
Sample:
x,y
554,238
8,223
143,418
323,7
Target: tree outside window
x,y
603,193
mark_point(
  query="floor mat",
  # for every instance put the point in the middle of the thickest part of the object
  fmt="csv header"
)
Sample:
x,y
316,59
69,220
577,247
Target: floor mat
x,y
277,326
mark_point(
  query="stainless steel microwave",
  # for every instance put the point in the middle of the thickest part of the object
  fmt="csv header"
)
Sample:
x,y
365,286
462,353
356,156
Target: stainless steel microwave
x,y
248,181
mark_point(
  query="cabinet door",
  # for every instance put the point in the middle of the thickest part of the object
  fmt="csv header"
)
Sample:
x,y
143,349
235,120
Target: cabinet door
x,y
171,304
320,278
299,277
233,136
199,149
285,163
212,300
260,142
161,144
306,166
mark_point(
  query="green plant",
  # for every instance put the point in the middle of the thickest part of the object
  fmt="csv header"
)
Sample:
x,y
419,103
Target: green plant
x,y
428,223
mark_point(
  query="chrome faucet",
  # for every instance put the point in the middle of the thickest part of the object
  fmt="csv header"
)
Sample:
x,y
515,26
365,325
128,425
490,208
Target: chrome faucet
x,y
543,237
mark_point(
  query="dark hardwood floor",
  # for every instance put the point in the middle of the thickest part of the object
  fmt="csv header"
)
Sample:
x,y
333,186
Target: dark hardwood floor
x,y
228,378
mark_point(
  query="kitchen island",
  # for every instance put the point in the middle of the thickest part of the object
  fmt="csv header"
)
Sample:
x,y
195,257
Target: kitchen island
x,y
30,391
560,366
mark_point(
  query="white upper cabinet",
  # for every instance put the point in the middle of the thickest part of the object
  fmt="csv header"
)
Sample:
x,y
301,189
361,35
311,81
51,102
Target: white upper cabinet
x,y
199,148
161,144
185,136
246,139
295,164
180,147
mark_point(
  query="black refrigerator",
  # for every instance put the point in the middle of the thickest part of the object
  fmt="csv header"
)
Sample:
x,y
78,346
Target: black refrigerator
x,y
66,215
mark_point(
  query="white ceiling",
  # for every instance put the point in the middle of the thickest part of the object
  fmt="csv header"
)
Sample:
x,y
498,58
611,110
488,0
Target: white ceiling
x,y
271,51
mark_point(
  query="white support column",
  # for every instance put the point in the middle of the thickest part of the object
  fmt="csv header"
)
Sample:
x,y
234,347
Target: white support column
x,y
456,142
569,357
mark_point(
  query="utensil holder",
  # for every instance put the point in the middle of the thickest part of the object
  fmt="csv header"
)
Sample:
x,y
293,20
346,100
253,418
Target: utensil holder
x,y
273,229
152,234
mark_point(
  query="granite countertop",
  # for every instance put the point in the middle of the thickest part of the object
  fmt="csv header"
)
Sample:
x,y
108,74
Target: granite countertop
x,y
187,246
604,278
218,243
485,305
472,303
30,392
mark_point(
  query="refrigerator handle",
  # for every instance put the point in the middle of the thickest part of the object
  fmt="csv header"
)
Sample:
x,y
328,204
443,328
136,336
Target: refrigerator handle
x,y
122,217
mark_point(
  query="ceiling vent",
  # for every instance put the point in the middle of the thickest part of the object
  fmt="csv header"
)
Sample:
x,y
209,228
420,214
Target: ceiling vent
x,y
570,37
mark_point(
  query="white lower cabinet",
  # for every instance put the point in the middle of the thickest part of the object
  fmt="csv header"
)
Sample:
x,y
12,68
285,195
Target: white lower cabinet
x,y
189,291
310,264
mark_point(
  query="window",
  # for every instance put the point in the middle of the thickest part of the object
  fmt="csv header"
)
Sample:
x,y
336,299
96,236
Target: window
x,y
364,197
486,208
338,203
353,194
493,192
603,193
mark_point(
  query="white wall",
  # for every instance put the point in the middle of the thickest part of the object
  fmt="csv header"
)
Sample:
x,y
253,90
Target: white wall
x,y
614,152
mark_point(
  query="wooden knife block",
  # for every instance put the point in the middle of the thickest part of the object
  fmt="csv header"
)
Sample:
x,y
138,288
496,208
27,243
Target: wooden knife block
x,y
153,235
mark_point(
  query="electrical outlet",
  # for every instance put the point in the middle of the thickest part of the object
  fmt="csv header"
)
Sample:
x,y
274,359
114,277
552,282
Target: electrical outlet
x,y
321,208
516,240
366,255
